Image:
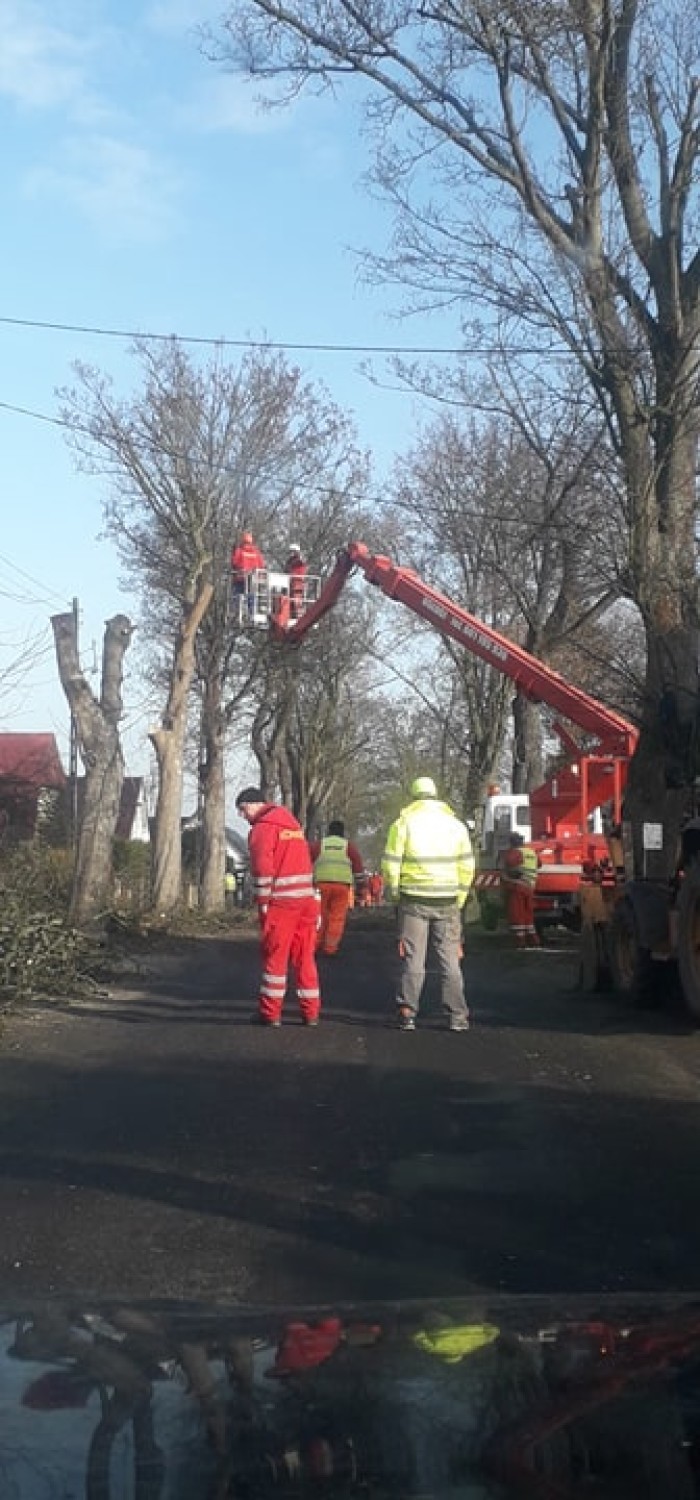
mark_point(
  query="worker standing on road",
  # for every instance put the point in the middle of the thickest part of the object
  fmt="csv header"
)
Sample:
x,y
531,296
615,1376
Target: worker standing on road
x,y
246,560
297,569
428,869
339,874
281,870
520,864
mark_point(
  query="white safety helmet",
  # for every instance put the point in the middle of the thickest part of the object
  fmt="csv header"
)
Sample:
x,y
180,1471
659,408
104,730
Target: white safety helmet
x,y
424,786
294,547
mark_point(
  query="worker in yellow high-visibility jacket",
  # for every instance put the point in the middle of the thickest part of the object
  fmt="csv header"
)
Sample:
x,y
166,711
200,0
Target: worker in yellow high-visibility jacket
x,y
339,875
428,870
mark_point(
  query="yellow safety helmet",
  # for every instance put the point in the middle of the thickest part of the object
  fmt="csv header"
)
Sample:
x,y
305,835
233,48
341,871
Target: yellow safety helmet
x,y
423,786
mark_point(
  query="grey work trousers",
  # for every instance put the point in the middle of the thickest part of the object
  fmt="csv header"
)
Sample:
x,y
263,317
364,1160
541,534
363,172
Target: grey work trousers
x,y
418,925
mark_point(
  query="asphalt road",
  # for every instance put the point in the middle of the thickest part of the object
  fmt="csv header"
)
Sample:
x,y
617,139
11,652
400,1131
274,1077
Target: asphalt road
x,y
154,1144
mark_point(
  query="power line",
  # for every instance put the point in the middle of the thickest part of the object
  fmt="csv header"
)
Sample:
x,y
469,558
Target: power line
x,y
39,416
148,444
48,593
456,351
221,468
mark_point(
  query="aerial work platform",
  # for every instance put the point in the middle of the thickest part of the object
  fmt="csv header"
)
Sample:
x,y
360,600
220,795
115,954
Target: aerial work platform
x,y
266,595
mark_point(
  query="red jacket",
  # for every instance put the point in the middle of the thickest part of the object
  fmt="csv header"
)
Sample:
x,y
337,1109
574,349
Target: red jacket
x,y
305,1345
246,557
297,570
280,862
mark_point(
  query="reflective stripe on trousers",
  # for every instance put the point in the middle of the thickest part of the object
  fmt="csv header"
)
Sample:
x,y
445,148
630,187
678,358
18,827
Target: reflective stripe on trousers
x,y
288,939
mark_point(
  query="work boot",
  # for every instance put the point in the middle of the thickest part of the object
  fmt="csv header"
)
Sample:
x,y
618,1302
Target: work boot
x,y
258,1020
406,1018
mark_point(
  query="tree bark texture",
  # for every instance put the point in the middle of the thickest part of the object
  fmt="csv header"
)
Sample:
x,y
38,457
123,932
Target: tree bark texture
x,y
213,789
100,748
168,742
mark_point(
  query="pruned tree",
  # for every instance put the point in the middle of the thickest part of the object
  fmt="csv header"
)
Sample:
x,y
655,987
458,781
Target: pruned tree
x,y
561,202
160,509
168,741
97,722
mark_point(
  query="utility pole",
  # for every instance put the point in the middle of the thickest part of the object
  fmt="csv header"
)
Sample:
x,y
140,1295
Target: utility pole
x,y
73,754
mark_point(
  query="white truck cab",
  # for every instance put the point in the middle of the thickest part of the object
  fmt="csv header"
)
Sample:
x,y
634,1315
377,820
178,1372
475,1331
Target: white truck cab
x,y
504,813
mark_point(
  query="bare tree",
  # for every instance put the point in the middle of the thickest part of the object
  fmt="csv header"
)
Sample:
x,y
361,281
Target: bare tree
x,y
564,143
161,511
325,734
320,478
100,748
17,661
307,731
168,741
193,458
511,517
300,706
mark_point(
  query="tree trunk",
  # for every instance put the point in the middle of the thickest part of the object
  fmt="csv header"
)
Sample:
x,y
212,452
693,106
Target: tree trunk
x,y
268,736
528,762
213,784
661,787
101,753
661,790
168,742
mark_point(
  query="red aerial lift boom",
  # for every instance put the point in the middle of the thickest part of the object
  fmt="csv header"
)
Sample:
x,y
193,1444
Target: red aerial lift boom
x,y
595,775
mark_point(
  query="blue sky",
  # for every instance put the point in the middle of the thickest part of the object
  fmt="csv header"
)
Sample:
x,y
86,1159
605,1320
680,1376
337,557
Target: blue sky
x,y
143,191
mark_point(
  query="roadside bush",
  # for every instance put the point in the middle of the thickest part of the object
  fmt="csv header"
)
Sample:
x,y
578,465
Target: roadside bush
x,y
131,859
40,951
131,867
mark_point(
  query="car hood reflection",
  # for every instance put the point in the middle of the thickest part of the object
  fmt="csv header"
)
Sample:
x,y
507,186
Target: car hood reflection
x,y
431,1399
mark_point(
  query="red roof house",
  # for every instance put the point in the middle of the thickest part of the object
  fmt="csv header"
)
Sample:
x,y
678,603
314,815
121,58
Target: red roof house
x,y
32,782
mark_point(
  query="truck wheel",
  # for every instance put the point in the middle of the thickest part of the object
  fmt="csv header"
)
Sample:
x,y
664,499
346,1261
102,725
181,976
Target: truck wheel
x,y
632,966
594,970
689,939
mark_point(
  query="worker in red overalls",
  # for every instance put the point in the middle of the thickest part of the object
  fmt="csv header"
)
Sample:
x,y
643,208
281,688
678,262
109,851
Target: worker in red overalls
x,y
519,867
246,559
297,569
288,908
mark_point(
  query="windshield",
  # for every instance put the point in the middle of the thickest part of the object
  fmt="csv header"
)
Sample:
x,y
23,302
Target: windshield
x,y
154,1405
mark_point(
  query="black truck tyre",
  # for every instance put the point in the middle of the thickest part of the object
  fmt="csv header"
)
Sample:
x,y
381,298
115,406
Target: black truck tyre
x,y
632,967
688,949
594,969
